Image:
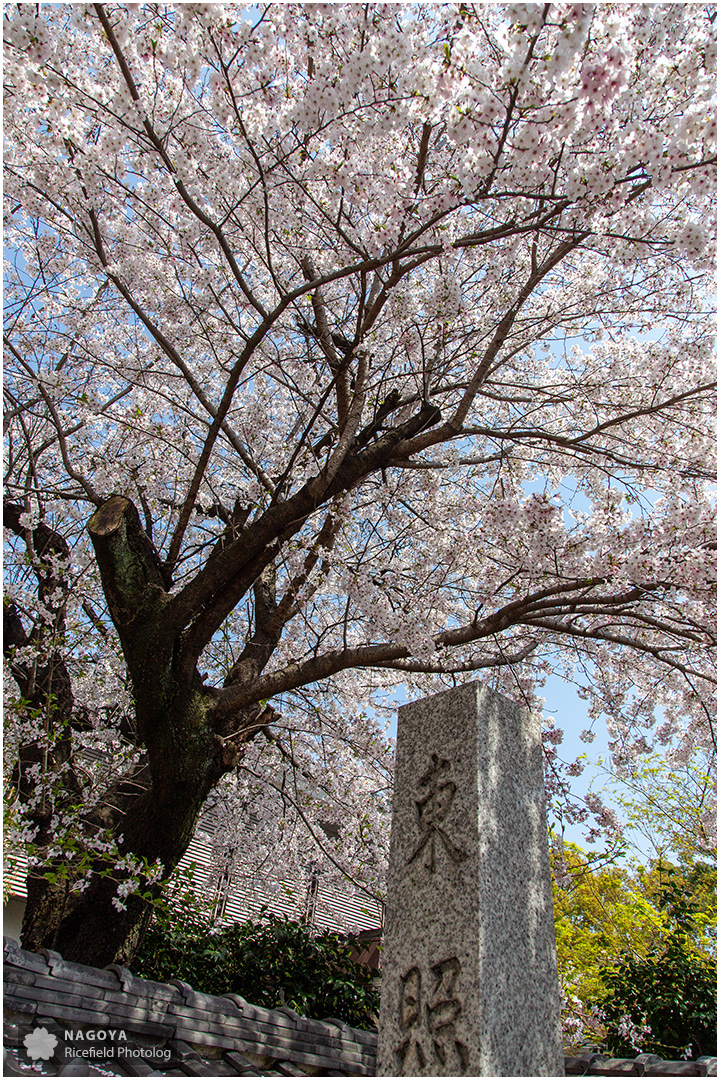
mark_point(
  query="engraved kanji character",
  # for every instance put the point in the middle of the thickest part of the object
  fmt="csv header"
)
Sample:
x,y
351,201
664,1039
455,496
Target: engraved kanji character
x,y
441,1016
431,811
410,1054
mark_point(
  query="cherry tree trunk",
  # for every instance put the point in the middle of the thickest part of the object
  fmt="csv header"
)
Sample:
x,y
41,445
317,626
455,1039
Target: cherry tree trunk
x,y
98,926
152,810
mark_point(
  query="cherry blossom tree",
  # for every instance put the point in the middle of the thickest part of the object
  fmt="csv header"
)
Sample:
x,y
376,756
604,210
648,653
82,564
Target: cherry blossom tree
x,y
348,347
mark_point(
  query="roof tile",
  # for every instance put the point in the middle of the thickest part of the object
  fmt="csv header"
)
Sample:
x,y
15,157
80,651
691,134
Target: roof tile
x,y
13,954
286,1069
75,973
676,1068
615,1067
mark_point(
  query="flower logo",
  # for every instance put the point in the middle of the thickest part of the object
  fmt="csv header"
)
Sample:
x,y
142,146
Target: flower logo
x,y
40,1043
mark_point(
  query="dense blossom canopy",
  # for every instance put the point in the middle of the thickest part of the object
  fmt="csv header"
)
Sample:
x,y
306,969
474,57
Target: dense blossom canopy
x,y
392,322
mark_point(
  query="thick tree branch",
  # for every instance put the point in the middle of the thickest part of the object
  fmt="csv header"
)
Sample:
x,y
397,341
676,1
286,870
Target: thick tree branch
x,y
132,574
517,612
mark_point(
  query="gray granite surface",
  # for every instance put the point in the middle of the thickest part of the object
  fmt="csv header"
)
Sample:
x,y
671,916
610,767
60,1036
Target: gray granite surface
x,y
470,984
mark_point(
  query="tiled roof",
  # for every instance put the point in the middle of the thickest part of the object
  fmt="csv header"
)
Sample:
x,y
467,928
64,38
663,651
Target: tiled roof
x,y
201,1035
642,1065
197,1034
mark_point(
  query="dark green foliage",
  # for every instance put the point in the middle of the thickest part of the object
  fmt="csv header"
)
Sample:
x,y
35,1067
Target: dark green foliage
x,y
182,942
315,974
270,962
671,990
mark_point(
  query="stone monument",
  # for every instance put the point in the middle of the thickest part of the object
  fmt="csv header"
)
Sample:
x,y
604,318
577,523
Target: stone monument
x,y
469,969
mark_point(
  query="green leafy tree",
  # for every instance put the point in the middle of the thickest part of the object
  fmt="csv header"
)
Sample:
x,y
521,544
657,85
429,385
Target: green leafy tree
x,y
651,924
672,808
599,915
666,1001
271,962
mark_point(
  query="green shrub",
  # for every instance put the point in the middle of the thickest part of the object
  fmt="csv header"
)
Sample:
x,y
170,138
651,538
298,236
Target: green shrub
x,y
665,1002
271,962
